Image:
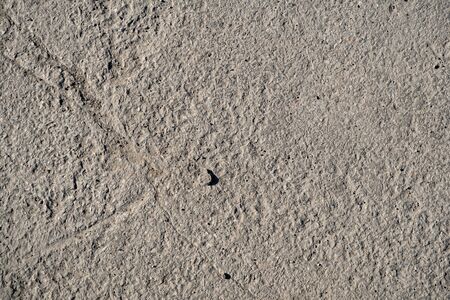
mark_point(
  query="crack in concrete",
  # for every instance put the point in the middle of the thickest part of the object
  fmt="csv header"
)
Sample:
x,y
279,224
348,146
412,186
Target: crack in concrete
x,y
86,98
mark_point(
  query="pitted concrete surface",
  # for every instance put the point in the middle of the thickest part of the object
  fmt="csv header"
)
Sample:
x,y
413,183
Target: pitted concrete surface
x,y
224,149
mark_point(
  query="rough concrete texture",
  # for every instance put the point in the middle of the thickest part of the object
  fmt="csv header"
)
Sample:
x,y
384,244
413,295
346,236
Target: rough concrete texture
x,y
326,123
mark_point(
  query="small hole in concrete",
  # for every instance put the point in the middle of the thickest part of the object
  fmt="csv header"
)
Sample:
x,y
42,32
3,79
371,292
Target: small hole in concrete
x,y
214,179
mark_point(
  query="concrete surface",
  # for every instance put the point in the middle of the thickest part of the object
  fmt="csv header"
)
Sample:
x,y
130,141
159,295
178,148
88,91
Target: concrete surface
x,y
326,123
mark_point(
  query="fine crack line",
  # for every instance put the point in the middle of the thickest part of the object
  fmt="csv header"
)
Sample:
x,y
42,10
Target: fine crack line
x,y
88,102
37,42
129,209
28,71
79,85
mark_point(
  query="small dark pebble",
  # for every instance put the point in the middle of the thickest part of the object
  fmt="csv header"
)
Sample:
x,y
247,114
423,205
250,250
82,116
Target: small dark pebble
x,y
226,276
